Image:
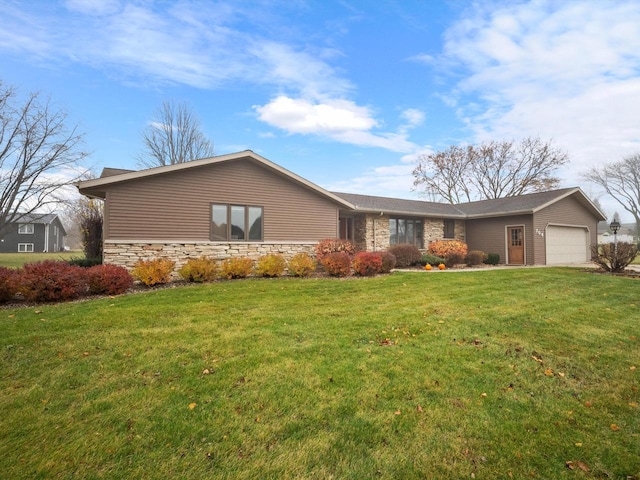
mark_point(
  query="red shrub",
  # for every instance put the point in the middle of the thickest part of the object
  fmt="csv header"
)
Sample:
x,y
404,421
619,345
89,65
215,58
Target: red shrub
x,y
453,251
367,263
337,264
52,281
388,262
334,245
108,279
406,254
9,279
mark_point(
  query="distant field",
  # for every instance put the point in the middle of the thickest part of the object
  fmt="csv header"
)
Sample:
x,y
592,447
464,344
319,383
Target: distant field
x,y
17,260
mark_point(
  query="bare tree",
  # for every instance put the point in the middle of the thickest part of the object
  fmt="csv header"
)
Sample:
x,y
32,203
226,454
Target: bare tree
x,y
490,170
86,216
174,136
621,180
39,155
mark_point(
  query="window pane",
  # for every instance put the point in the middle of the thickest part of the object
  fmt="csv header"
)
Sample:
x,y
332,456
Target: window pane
x,y
237,223
419,234
255,223
449,228
402,230
410,232
393,232
219,222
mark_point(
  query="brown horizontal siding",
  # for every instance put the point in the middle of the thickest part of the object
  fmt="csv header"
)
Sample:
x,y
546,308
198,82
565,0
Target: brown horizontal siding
x,y
176,206
489,235
569,212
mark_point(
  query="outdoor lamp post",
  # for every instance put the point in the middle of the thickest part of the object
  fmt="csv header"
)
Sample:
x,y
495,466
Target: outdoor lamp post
x,y
615,226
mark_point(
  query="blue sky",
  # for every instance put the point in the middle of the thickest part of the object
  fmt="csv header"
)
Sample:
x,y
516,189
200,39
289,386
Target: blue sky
x,y
347,94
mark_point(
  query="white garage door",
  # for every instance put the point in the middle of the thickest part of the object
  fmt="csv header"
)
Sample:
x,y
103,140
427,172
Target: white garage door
x,y
567,245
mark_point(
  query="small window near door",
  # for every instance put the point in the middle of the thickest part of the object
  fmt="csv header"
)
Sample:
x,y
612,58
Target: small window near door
x,y
449,228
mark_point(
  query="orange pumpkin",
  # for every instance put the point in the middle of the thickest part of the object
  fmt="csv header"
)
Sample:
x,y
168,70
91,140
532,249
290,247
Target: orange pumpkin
x,y
441,266
428,266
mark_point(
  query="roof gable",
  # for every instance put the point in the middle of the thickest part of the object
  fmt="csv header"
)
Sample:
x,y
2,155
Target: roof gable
x,y
97,187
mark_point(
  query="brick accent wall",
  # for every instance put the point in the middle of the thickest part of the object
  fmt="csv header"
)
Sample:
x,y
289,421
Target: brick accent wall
x,y
126,254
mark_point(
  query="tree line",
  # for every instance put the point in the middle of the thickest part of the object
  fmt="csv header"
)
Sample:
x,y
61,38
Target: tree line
x,y
41,154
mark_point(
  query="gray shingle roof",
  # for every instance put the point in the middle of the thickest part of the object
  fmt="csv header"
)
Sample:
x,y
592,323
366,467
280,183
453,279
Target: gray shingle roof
x,y
368,203
527,203
522,204
37,218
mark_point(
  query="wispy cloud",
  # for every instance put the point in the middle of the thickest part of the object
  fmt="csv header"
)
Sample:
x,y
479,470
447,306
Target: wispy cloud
x,y
561,70
204,46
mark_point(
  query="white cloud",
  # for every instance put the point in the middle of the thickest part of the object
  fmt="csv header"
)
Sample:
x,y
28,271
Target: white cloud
x,y
567,71
338,119
93,7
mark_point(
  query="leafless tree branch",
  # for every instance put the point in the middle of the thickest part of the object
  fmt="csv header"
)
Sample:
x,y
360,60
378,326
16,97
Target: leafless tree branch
x,y
37,154
174,136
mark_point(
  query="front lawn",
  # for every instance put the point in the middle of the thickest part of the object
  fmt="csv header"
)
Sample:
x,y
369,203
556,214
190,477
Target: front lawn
x,y
524,373
17,260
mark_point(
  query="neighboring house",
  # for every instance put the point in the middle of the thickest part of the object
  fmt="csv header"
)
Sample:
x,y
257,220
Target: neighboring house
x,y
625,234
34,232
242,204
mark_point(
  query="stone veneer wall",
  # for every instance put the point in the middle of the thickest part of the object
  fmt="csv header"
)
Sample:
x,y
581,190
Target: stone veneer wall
x,y
371,232
126,254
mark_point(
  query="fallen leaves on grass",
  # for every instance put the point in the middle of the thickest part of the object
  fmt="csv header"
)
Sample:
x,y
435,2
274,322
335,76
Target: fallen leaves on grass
x,y
572,465
192,405
614,427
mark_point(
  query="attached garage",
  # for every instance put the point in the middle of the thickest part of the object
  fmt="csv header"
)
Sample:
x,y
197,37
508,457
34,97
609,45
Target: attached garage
x,y
567,245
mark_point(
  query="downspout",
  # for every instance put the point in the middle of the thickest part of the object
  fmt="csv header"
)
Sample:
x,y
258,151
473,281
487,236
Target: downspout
x,y
46,237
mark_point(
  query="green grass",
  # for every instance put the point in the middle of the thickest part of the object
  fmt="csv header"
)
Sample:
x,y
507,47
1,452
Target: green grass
x,y
499,374
17,260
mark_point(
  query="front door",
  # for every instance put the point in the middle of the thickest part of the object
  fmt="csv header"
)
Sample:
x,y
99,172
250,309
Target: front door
x,y
515,245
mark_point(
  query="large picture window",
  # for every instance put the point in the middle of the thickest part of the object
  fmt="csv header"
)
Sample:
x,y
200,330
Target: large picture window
x,y
25,228
239,223
406,230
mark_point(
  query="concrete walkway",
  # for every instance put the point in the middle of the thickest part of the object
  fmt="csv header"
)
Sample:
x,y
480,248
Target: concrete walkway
x,y
635,268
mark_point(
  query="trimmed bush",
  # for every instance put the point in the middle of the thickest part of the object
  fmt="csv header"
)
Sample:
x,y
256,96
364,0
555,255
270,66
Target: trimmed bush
x,y
334,245
153,272
271,265
388,262
108,279
198,270
9,280
431,260
367,263
302,265
85,262
476,257
237,267
492,259
453,251
406,254
52,281
337,264
614,258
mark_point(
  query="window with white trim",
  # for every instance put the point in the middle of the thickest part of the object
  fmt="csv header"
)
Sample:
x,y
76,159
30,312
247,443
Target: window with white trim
x,y
25,228
25,247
